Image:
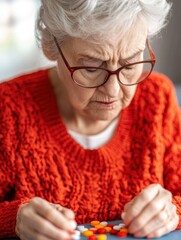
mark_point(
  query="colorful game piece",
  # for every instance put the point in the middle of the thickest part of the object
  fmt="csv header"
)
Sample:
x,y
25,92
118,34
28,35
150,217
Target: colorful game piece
x,y
104,224
122,234
76,235
102,237
124,230
80,227
95,222
101,230
122,225
108,229
110,225
92,237
113,232
98,226
116,227
83,230
87,233
94,230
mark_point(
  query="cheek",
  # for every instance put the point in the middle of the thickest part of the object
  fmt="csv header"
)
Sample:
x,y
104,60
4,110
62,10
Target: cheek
x,y
129,92
76,95
79,96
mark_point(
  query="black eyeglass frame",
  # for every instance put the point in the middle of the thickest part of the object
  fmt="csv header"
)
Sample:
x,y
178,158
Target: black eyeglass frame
x,y
73,69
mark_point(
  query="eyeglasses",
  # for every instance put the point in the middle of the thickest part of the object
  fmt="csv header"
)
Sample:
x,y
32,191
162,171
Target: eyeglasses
x,y
128,75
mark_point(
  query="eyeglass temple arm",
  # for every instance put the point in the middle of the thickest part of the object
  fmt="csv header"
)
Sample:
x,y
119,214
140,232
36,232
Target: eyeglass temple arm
x,y
61,53
150,50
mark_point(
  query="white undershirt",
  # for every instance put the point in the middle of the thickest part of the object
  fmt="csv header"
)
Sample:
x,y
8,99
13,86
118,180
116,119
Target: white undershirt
x,y
95,141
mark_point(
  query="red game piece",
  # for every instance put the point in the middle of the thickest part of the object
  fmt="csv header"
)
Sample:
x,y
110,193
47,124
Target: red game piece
x,y
93,237
114,232
122,234
110,225
94,230
101,230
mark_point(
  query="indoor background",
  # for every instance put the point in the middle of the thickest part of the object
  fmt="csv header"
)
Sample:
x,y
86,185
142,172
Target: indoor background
x,y
19,52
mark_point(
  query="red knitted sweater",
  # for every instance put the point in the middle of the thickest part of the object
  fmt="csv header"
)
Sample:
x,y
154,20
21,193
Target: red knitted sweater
x,y
39,158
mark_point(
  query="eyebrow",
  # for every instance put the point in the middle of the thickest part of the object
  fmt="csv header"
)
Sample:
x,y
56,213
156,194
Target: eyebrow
x,y
86,56
89,57
133,55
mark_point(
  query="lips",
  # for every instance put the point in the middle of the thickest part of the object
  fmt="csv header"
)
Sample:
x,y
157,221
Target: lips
x,y
107,105
106,102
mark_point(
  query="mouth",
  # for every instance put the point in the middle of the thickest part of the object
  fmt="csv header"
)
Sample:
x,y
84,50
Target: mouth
x,y
107,103
111,104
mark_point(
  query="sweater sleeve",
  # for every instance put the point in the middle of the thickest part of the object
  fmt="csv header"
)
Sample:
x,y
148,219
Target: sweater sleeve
x,y
8,203
172,136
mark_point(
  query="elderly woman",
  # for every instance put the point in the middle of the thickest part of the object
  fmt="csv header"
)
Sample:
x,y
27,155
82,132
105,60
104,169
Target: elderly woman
x,y
99,135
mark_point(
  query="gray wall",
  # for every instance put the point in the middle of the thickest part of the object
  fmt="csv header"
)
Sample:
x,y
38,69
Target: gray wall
x,y
167,45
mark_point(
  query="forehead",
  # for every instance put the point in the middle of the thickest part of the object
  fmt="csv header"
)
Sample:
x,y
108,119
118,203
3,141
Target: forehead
x,y
133,40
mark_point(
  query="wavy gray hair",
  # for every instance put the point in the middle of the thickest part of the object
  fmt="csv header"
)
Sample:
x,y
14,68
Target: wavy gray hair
x,y
95,19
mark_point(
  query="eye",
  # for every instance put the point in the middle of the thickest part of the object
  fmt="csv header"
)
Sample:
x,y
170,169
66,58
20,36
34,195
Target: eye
x,y
91,70
130,67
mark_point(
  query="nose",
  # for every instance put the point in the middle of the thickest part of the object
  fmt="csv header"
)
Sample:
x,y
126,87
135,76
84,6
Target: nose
x,y
112,86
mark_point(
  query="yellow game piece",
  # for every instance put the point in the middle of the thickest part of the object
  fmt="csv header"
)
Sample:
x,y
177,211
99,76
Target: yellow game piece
x,y
98,226
108,229
95,222
101,237
87,233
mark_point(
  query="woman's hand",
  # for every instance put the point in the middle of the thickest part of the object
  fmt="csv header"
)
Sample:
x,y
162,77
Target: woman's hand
x,y
151,214
40,219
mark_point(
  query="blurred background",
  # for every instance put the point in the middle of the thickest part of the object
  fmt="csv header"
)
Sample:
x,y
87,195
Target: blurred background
x,y
19,52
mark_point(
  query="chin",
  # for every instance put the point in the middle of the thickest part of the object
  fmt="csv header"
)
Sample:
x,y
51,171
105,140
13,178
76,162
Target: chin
x,y
106,115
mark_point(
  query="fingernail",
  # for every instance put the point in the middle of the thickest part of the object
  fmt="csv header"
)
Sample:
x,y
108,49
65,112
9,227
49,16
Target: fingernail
x,y
149,236
73,224
71,231
137,235
123,215
69,214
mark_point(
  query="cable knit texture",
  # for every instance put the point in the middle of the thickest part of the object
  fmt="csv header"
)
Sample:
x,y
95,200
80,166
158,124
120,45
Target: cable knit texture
x,y
39,158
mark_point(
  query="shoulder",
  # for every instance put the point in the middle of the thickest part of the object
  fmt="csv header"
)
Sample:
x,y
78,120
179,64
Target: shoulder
x,y
21,82
17,95
20,89
157,81
155,101
18,107
158,90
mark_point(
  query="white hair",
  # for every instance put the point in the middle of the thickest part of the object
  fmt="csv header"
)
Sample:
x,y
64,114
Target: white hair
x,y
95,19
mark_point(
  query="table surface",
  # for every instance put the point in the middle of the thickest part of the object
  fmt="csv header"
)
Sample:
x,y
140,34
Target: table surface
x,y
175,235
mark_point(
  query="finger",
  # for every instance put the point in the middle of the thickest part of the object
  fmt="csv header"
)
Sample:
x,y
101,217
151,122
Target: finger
x,y
30,234
139,203
70,216
58,207
127,205
68,213
38,224
154,208
44,209
156,222
170,226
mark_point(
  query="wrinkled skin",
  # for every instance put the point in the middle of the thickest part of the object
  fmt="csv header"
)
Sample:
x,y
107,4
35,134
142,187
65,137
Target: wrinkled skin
x,y
151,213
40,219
